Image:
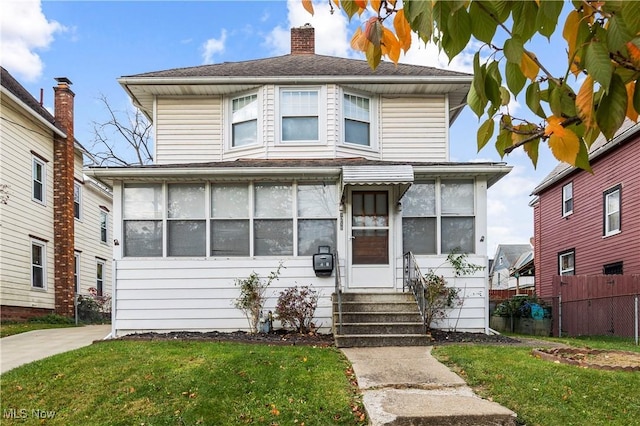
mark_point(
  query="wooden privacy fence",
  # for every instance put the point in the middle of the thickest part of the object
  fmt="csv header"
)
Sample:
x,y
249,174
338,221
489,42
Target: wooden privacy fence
x,y
596,305
499,295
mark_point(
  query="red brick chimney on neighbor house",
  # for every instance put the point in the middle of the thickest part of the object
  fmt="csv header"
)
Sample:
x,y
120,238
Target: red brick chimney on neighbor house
x,y
63,217
303,40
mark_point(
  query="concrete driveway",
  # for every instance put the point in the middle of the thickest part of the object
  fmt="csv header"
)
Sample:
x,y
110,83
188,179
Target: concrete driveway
x,y
27,347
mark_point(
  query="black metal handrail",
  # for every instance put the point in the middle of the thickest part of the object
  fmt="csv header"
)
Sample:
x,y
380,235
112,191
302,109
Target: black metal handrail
x,y
415,281
338,283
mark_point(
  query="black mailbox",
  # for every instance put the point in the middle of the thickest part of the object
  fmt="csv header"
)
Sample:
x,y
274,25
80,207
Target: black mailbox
x,y
323,262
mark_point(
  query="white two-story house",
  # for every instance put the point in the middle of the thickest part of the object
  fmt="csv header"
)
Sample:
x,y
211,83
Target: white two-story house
x,y
264,161
55,222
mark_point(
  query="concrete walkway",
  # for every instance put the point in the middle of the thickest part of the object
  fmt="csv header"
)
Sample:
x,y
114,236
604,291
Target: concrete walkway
x,y
31,346
408,386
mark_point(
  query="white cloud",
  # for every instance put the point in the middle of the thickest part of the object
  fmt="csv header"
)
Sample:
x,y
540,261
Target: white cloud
x,y
213,46
23,31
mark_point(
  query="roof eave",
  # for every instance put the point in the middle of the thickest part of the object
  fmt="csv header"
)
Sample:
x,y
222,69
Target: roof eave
x,y
31,112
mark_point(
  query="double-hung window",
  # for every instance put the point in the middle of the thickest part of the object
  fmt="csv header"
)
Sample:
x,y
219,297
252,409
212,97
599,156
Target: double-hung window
x,y
143,220
77,199
38,180
357,120
299,115
419,220
230,226
612,199
100,277
38,256
273,220
567,262
76,272
317,210
457,200
244,117
186,220
567,199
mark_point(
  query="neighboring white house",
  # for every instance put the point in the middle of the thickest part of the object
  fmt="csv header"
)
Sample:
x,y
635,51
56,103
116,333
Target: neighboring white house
x,y
263,161
37,275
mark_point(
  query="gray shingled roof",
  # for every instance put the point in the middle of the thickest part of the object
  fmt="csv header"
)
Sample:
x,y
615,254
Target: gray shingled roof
x,y
15,88
302,65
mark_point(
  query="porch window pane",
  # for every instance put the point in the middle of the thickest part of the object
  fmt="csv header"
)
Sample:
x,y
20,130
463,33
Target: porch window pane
x,y
273,237
317,201
143,238
315,232
230,201
419,235
457,197
230,238
186,201
143,201
186,238
420,200
273,200
458,234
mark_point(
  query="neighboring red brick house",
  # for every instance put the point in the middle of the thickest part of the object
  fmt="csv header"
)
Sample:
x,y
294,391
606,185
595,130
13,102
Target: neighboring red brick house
x,y
589,224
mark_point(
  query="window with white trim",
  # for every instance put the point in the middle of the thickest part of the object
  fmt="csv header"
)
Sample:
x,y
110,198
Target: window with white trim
x,y
38,264
316,213
244,120
612,200
77,199
299,115
104,225
186,220
100,276
38,180
567,199
273,219
439,210
76,272
567,263
230,222
357,120
142,214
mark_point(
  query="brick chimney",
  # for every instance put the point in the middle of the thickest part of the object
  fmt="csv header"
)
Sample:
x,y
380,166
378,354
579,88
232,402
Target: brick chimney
x,y
303,40
63,217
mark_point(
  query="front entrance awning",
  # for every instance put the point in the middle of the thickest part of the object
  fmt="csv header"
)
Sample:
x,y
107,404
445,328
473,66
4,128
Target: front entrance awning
x,y
400,175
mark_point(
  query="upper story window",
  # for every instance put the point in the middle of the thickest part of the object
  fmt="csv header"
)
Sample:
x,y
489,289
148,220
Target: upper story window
x,y
77,199
244,117
38,180
567,199
142,214
567,263
612,200
357,120
104,224
299,115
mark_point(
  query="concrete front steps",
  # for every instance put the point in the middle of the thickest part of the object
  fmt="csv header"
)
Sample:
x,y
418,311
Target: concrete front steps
x,y
378,319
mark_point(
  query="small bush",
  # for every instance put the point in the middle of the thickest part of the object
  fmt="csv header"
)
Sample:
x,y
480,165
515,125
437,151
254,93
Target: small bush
x,y
93,308
252,296
520,307
296,307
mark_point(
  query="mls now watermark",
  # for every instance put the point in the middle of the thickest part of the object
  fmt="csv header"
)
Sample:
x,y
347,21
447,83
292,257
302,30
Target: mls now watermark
x,y
24,413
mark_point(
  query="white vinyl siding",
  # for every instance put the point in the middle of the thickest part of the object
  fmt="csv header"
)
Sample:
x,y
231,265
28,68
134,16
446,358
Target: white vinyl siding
x,y
414,128
188,130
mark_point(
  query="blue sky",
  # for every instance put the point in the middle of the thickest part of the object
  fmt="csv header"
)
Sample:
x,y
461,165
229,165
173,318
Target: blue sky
x,y
94,43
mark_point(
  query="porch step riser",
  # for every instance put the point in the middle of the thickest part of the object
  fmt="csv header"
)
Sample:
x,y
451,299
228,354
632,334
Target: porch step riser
x,y
377,307
376,297
469,420
361,341
386,329
377,317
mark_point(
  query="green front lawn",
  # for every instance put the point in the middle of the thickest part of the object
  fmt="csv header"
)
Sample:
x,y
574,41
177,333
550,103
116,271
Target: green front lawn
x,y
184,383
545,393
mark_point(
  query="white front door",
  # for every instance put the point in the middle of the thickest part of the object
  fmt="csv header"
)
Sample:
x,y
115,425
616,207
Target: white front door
x,y
370,241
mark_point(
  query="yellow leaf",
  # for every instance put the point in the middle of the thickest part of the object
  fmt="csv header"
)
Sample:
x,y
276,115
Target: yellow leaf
x,y
390,45
634,53
308,6
359,41
565,146
584,103
528,66
403,30
554,125
631,112
362,4
375,5
570,31
337,3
